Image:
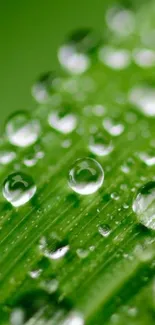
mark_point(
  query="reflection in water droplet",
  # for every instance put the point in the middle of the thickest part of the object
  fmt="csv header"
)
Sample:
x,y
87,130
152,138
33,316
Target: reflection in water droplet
x,y
117,59
144,58
113,127
74,54
86,176
7,157
100,145
144,98
144,205
18,188
43,89
63,119
104,230
21,130
120,21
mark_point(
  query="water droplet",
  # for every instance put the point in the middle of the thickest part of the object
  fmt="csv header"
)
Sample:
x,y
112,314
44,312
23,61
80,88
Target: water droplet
x,y
100,145
117,59
50,285
17,317
115,196
82,253
144,99
35,274
144,205
144,58
7,157
104,230
21,130
44,88
147,157
74,318
98,110
113,127
120,21
63,119
74,54
18,188
53,253
86,176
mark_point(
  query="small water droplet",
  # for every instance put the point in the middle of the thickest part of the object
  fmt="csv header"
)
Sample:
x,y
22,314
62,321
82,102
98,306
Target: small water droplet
x,y
44,87
21,130
147,157
7,157
104,230
63,120
86,176
18,188
117,59
113,126
74,54
115,196
100,145
82,253
74,318
144,205
50,285
35,274
144,99
120,21
144,58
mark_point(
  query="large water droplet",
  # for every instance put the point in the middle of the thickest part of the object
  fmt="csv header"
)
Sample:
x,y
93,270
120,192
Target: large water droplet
x,y
117,59
21,130
144,205
18,188
44,87
100,145
74,54
86,176
113,127
63,119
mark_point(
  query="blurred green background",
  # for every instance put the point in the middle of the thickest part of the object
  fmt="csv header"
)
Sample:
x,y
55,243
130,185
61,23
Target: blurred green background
x,y
31,32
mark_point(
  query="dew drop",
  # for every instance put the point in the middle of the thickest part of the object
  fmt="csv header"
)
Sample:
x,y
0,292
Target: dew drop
x,y
74,54
117,59
120,21
35,274
63,119
18,188
144,58
54,253
44,88
74,318
104,230
21,130
144,99
100,145
113,127
7,157
50,285
147,157
82,253
86,176
144,205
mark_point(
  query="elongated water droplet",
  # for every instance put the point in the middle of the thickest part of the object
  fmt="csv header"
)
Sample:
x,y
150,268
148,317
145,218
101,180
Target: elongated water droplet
x,y
113,127
117,59
63,119
21,130
144,205
100,145
7,157
45,87
86,176
74,54
18,188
